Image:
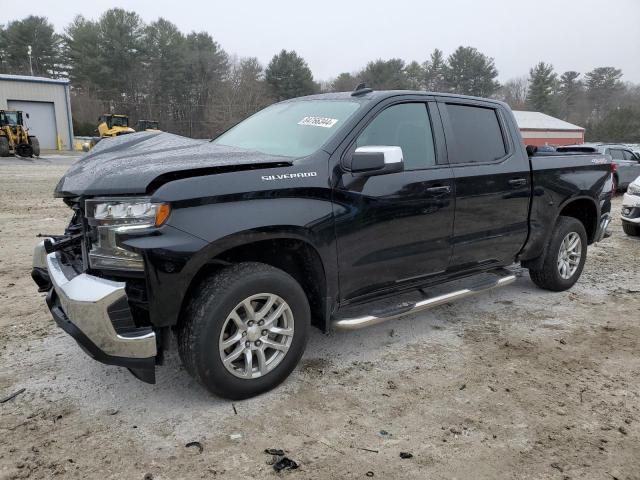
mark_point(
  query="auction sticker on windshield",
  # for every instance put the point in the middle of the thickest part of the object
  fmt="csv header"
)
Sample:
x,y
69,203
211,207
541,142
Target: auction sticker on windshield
x,y
323,122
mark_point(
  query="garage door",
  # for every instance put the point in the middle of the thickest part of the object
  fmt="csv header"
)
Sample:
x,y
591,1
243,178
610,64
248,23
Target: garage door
x,y
41,121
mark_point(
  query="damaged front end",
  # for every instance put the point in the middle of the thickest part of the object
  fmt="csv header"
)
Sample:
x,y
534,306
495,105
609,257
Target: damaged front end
x,y
105,311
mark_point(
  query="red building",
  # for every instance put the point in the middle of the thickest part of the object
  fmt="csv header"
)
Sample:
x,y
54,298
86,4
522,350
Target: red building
x,y
540,129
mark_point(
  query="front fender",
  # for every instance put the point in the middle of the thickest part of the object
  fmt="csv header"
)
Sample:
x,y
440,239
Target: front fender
x,y
196,234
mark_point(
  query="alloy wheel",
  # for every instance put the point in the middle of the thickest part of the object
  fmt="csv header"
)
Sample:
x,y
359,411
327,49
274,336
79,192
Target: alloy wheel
x,y
256,335
569,255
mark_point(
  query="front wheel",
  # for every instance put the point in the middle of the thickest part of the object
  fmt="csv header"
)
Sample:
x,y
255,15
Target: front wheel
x,y
564,258
244,330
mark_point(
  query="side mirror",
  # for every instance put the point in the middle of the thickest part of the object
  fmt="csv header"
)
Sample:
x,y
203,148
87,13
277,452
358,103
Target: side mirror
x,y
376,160
27,115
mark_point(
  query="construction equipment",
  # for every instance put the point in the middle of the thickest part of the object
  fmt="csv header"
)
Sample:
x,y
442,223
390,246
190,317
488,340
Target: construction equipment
x,y
147,126
14,136
111,125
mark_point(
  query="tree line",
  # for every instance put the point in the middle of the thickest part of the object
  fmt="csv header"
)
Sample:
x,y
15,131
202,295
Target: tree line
x,y
120,64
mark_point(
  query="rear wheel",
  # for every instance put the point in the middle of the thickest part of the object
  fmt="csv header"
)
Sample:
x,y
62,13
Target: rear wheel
x,y
564,258
4,147
244,330
35,146
631,229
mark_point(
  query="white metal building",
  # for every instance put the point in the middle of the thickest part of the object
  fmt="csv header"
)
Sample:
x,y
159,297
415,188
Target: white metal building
x,y
47,102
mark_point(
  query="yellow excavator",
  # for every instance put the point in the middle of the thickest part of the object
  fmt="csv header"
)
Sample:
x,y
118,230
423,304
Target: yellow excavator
x,y
14,136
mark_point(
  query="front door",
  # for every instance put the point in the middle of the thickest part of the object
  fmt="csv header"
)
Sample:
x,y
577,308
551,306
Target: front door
x,y
395,229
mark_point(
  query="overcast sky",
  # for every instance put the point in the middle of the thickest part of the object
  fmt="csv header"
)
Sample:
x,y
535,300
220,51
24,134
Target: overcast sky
x,y
336,36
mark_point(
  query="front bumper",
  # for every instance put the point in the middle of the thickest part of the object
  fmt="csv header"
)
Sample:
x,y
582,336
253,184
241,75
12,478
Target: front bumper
x,y
631,208
86,307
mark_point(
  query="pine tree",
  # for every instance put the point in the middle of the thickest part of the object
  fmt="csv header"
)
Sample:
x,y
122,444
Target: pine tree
x,y
345,82
470,72
120,43
434,72
385,74
82,53
414,74
542,87
603,85
37,33
289,76
570,91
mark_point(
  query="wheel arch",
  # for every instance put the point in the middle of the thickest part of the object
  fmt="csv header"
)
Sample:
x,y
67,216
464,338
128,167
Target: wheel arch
x,y
585,210
290,251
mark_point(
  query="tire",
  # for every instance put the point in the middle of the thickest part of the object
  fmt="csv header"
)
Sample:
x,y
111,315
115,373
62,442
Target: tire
x,y
547,273
35,145
631,229
4,147
206,323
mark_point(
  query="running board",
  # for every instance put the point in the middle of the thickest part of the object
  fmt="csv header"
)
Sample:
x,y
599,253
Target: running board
x,y
464,288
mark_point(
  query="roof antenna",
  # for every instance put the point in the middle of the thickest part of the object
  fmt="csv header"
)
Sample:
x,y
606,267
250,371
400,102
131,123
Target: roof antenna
x,y
361,89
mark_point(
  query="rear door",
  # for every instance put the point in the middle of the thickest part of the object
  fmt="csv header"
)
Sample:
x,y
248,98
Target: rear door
x,y
492,181
395,229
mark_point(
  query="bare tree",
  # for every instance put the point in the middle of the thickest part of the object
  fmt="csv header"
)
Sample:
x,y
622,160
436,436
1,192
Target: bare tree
x,y
514,92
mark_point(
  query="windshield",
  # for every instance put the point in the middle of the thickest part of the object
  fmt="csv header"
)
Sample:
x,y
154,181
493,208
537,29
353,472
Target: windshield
x,y
291,129
120,122
11,118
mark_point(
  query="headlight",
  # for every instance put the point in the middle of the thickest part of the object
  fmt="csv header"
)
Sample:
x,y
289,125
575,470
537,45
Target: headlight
x,y
633,189
110,217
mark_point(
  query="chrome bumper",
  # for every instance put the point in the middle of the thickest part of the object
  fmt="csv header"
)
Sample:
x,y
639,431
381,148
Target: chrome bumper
x,y
84,300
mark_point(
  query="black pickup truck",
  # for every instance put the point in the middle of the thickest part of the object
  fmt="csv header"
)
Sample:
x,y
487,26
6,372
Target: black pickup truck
x,y
324,211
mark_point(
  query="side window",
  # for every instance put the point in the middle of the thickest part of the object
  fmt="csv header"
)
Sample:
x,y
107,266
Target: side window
x,y
405,125
477,135
629,155
616,154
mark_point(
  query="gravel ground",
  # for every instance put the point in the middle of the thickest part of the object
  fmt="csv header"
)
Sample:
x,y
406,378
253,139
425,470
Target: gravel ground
x,y
516,383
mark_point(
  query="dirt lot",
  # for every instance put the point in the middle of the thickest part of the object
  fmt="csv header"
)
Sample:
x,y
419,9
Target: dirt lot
x,y
518,383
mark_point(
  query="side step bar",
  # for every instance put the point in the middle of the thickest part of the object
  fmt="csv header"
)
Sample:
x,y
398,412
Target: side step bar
x,y
498,278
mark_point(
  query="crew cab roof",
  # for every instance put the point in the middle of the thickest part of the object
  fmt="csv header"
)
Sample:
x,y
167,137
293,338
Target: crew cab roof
x,y
375,96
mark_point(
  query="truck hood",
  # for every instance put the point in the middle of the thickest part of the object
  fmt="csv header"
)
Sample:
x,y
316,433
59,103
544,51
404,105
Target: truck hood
x,y
130,163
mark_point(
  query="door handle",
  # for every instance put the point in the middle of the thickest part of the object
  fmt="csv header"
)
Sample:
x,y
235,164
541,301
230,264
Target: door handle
x,y
439,189
517,182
